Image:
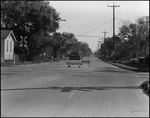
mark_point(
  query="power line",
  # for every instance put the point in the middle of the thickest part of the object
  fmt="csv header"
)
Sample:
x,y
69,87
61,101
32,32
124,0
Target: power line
x,y
104,34
110,29
106,12
86,36
108,17
104,43
121,8
99,43
81,26
97,27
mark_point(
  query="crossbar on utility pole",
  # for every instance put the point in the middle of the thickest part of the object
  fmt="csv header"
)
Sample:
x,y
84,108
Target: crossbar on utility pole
x,y
113,6
104,43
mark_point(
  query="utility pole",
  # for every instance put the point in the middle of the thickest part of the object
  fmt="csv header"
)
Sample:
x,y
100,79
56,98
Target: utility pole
x,y
104,43
113,6
99,42
99,45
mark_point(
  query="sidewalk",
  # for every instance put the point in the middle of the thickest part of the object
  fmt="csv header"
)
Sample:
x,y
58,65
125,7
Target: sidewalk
x,y
10,64
133,68
24,63
137,67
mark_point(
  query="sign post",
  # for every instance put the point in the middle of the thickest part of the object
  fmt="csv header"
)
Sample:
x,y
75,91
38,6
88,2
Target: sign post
x,y
14,59
23,44
89,63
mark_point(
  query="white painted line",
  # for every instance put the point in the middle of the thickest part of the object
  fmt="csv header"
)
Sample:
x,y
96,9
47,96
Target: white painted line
x,y
144,76
137,76
72,94
76,90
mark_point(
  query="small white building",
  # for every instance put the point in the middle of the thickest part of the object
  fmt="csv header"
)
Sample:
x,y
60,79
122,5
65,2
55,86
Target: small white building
x,y
7,45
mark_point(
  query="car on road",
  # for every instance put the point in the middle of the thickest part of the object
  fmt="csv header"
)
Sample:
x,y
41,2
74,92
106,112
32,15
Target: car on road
x,y
134,60
75,55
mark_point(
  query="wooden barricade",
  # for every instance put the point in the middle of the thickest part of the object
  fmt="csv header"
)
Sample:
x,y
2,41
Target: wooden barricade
x,y
86,61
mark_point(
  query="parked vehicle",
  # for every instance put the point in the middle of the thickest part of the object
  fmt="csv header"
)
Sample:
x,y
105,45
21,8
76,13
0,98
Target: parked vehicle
x,y
145,86
141,59
134,60
74,56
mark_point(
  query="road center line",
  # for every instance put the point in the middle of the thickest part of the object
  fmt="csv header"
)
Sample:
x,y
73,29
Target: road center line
x,y
76,90
72,94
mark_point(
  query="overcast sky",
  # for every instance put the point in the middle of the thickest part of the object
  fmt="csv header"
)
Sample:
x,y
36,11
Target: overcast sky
x,y
91,18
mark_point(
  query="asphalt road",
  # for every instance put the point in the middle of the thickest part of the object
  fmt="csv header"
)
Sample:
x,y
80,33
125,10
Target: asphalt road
x,y
53,89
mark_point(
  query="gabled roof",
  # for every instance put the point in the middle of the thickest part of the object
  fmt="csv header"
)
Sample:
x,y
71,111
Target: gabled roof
x,y
5,33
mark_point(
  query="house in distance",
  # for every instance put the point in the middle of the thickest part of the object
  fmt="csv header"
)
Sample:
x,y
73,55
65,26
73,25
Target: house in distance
x,y
7,45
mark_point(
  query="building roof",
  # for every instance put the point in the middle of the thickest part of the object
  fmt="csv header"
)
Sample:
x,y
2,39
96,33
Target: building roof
x,y
5,33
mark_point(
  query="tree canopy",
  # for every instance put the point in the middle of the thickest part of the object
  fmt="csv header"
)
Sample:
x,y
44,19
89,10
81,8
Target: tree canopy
x,y
29,17
130,41
37,20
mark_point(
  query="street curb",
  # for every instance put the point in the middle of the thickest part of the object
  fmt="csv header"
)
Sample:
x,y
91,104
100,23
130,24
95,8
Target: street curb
x,y
128,68
32,64
145,85
20,65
